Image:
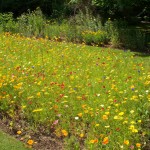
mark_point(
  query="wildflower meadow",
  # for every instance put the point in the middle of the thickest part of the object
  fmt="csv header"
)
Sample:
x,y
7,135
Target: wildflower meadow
x,y
90,97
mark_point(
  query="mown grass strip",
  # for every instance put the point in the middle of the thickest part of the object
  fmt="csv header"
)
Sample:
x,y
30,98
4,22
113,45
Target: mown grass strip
x,y
9,143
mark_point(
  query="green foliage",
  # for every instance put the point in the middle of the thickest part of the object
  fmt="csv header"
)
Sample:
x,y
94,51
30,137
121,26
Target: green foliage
x,y
98,38
32,23
87,20
85,27
52,8
112,29
7,23
56,31
121,35
127,9
81,27
132,38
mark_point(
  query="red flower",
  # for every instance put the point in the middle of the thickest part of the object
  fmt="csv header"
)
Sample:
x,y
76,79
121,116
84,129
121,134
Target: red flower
x,y
62,85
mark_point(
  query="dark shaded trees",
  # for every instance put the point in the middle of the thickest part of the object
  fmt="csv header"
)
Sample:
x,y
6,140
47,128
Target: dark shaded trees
x,y
49,7
126,9
114,9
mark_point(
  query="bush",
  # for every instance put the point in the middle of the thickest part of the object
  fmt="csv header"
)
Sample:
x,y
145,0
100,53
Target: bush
x,y
32,24
91,37
122,35
132,38
87,21
7,23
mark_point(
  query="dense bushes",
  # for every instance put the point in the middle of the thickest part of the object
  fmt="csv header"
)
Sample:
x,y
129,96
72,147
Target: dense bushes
x,y
99,37
83,27
122,35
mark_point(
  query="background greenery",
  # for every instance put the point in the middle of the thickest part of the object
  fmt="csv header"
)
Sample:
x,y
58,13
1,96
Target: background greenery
x,y
95,22
127,9
82,27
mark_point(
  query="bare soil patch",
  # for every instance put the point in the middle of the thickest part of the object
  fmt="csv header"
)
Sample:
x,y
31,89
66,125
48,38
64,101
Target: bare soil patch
x,y
41,141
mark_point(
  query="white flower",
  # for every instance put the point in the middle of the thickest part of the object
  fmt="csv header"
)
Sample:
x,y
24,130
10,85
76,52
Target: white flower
x,y
146,91
76,118
132,111
107,126
121,146
98,95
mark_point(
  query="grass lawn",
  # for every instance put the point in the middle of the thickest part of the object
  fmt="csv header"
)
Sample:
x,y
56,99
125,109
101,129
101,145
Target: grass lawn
x,y
91,97
10,143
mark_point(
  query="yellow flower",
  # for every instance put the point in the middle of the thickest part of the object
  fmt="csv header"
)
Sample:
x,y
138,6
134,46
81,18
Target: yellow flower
x,y
107,113
38,94
105,117
132,111
134,97
18,86
132,87
134,130
121,113
30,142
81,135
86,111
19,132
138,145
132,122
37,110
116,117
24,106
125,122
83,106
71,77
105,141
96,125
131,127
80,114
107,126
126,142
64,132
147,83
79,97
39,83
94,141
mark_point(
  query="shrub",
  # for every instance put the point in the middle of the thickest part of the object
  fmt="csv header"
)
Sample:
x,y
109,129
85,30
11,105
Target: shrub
x,y
32,24
120,34
80,23
87,21
91,37
112,28
132,38
7,23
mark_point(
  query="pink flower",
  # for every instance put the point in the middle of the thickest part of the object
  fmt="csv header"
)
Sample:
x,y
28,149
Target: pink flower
x,y
55,122
59,115
132,147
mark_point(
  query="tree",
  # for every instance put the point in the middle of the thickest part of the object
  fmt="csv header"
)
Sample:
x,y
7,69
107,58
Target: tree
x,y
114,9
126,9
